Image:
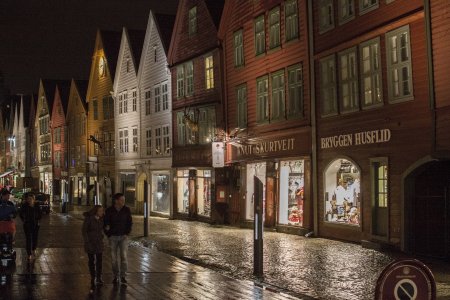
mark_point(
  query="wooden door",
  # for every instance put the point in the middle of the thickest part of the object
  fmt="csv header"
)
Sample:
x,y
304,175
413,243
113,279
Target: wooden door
x,y
270,210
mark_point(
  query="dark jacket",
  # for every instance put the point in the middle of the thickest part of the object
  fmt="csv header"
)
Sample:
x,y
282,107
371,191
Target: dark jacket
x,y
7,210
30,215
119,221
92,233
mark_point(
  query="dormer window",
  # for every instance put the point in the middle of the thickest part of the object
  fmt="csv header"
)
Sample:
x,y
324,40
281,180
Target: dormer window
x,y
193,20
128,64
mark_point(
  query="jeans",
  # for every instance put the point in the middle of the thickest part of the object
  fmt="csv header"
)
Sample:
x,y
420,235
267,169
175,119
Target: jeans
x,y
119,250
31,235
95,265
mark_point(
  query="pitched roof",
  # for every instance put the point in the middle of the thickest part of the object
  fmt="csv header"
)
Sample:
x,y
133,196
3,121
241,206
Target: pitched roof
x,y
165,25
49,90
27,103
215,8
111,47
82,86
136,43
64,92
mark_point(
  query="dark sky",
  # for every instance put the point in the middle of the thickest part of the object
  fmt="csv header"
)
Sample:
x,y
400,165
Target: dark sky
x,y
55,38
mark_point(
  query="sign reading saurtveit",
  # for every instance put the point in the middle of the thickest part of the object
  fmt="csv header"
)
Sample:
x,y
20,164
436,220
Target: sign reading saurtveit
x,y
356,139
279,146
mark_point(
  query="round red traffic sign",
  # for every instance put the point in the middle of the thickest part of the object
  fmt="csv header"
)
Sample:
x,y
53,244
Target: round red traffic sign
x,y
407,279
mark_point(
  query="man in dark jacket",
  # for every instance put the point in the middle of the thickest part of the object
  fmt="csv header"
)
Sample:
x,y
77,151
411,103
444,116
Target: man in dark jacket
x,y
7,213
118,222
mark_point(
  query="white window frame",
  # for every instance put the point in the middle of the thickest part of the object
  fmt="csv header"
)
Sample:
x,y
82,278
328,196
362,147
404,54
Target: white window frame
x,y
125,141
157,97
346,11
158,140
148,141
278,101
274,28
238,43
180,81
134,99
125,102
326,15
262,99
241,99
366,6
165,96
260,35
291,20
209,72
189,78
121,103
121,142
134,130
395,64
148,101
166,139
348,80
206,125
328,85
371,74
294,99
181,129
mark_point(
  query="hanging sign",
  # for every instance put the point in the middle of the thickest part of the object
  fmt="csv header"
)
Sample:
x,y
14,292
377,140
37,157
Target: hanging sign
x,y
218,155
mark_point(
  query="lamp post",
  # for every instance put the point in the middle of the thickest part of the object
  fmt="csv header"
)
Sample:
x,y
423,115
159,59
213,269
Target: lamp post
x,y
97,188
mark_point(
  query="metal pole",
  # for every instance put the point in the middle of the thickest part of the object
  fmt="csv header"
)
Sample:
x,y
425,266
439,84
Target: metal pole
x,y
145,208
258,228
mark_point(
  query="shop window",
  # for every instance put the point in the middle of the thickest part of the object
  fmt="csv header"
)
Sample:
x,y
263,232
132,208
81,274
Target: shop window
x,y
342,193
161,193
183,191
292,191
258,170
204,192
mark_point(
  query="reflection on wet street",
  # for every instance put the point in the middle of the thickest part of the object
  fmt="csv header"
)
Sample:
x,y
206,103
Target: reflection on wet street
x,y
314,267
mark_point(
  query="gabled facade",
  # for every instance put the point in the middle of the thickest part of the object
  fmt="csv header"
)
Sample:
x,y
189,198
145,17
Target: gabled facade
x,y
101,117
155,134
268,108
373,122
127,115
195,61
59,140
76,124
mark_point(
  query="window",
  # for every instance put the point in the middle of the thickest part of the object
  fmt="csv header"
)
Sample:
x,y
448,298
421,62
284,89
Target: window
x,y
193,20
189,78
108,107
120,103
342,183
295,92
148,95
380,196
165,96
181,131
380,182
371,73
125,102
262,99
326,15
109,143
134,100
128,64
57,159
260,36
45,152
180,81
274,28
125,141
44,127
399,65
57,135
121,142
346,11
96,146
278,105
328,86
367,5
291,19
135,139
206,124
166,140
78,156
148,141
157,93
292,192
158,141
238,48
209,72
348,80
95,108
241,95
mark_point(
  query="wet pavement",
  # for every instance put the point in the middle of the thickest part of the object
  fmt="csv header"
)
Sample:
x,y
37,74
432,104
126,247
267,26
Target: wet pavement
x,y
305,267
60,271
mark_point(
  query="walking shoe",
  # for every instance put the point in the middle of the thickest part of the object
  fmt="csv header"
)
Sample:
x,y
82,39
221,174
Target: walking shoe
x,y
123,280
115,280
99,280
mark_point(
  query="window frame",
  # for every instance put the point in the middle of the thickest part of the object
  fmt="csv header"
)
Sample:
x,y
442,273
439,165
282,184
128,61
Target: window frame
x,y
363,10
238,36
262,97
331,85
375,72
192,21
165,96
157,98
241,102
326,11
134,100
260,36
350,5
209,72
148,101
148,142
274,28
277,96
288,18
135,134
352,81
300,101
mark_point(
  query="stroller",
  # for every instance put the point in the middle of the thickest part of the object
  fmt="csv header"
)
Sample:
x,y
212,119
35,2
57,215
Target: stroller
x,y
7,252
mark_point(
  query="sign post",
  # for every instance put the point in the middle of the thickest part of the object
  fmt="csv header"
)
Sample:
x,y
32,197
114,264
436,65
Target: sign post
x,y
406,279
146,208
258,228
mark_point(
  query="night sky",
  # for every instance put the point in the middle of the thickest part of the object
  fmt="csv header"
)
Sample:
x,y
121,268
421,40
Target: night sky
x,y
55,38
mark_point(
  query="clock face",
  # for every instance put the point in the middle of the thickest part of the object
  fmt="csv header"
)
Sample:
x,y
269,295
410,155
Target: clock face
x,y
102,67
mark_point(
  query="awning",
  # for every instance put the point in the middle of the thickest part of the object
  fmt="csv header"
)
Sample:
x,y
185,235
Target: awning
x,y
6,173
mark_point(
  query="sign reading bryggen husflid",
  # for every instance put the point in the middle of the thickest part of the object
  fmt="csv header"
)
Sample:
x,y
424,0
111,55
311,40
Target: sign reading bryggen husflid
x,y
356,139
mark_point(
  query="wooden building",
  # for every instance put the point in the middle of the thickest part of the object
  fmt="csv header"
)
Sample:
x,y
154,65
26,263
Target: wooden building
x,y
268,111
100,128
373,119
76,124
127,115
195,60
59,141
153,169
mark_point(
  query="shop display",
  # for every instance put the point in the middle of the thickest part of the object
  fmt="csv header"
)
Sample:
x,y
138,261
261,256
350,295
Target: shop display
x,y
161,193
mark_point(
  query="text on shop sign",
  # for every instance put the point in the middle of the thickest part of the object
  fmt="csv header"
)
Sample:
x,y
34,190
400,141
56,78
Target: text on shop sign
x,y
358,138
266,147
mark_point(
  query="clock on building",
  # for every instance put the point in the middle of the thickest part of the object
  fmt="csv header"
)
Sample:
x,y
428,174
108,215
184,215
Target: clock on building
x,y
102,66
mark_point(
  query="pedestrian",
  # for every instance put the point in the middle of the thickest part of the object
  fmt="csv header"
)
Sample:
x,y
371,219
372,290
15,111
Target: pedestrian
x,y
7,214
92,231
118,222
30,214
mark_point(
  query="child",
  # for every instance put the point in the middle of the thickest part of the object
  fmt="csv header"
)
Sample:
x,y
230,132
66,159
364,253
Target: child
x,y
93,243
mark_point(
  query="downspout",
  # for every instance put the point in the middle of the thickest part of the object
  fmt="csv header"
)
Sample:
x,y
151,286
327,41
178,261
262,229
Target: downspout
x,y
430,67
312,100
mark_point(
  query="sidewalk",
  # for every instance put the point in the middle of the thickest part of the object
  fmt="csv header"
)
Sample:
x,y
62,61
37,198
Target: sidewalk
x,y
60,272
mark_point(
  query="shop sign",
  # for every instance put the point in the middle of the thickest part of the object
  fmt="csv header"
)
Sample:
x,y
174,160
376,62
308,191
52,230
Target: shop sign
x,y
356,139
218,156
406,279
267,147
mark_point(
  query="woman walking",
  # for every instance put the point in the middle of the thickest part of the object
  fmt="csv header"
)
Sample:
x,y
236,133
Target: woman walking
x,y
93,243
30,213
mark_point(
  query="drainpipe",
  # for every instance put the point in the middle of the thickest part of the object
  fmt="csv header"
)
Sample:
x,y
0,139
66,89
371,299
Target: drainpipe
x,y
431,91
312,99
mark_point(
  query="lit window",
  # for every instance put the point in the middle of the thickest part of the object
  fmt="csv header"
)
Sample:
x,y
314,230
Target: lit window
x,y
209,72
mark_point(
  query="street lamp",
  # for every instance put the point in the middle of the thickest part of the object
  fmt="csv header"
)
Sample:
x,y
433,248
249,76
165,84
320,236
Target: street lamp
x,y
97,188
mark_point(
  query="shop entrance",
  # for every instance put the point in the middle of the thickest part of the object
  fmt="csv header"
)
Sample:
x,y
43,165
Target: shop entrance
x,y
430,201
